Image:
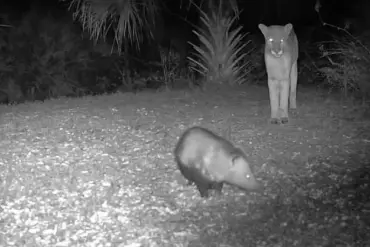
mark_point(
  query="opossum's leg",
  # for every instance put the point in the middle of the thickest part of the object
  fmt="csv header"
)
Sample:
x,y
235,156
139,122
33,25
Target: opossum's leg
x,y
203,189
188,173
218,187
190,183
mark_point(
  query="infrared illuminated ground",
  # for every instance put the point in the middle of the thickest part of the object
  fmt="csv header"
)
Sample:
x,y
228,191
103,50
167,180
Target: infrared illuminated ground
x,y
99,171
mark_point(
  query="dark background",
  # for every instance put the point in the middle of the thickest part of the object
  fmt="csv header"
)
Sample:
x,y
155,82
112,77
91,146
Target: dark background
x,y
42,46
254,11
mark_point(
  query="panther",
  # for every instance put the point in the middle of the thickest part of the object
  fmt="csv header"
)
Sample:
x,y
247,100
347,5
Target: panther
x,y
281,55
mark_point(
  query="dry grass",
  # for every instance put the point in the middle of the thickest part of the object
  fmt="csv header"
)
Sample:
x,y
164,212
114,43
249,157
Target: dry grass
x,y
99,171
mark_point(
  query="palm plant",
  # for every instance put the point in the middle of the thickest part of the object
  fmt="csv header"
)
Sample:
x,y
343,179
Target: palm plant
x,y
129,19
219,54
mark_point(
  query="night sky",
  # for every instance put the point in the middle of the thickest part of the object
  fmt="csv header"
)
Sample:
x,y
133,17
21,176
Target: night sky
x,y
254,11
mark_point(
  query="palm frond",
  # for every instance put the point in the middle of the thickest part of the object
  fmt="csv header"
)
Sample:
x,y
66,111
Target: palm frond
x,y
220,53
127,17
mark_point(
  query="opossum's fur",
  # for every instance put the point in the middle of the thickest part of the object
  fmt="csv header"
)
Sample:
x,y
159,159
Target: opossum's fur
x,y
209,160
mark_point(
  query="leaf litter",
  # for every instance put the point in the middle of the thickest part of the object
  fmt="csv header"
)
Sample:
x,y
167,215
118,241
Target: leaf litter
x,y
87,173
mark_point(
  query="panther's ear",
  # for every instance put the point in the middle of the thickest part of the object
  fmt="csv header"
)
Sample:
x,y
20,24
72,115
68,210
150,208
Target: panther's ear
x,y
263,29
288,28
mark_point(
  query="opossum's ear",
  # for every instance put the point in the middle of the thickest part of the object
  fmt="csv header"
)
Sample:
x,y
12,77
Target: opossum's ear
x,y
236,154
235,158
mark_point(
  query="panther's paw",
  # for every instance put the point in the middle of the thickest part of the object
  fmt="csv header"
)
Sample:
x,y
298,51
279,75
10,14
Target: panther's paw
x,y
284,120
275,121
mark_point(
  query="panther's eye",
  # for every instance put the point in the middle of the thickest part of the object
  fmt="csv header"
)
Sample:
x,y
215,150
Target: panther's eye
x,y
281,41
270,40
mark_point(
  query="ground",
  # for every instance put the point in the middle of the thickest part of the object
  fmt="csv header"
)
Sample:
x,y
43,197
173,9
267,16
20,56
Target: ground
x,y
99,171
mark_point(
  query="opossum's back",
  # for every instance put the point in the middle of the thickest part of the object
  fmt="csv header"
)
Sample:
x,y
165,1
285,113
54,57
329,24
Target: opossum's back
x,y
197,143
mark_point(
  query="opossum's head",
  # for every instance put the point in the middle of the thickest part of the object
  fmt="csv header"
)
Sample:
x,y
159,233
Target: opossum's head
x,y
241,175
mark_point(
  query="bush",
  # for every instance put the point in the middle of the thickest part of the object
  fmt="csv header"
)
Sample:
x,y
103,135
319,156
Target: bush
x,y
348,63
39,54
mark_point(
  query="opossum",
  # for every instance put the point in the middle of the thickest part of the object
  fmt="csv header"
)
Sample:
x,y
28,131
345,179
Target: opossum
x,y
209,161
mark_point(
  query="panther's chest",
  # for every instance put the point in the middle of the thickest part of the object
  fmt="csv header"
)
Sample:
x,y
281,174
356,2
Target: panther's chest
x,y
278,68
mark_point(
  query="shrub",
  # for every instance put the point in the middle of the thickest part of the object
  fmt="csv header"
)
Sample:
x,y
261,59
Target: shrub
x,y
39,54
170,61
348,63
348,60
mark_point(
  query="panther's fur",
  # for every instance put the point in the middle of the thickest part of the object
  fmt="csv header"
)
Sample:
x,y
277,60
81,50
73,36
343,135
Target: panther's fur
x,y
281,55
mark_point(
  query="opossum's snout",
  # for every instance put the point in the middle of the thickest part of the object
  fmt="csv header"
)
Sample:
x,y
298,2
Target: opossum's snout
x,y
244,181
242,176
252,183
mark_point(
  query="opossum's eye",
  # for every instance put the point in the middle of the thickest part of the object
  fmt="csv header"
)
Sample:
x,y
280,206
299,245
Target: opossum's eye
x,y
247,176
